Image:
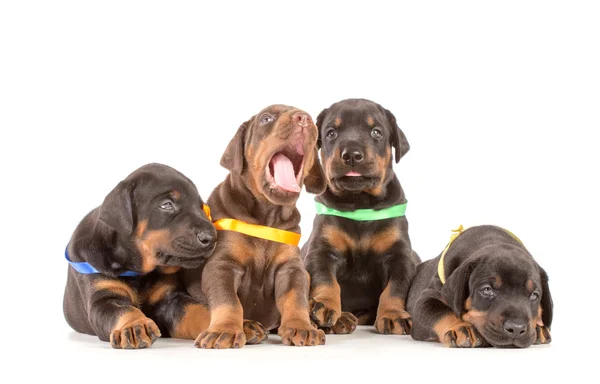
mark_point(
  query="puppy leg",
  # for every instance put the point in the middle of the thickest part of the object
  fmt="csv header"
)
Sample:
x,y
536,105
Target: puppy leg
x,y
392,317
291,294
115,317
226,328
435,321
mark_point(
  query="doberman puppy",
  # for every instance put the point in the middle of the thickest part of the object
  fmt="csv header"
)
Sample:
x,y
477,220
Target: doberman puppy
x,y
485,289
122,283
359,254
270,157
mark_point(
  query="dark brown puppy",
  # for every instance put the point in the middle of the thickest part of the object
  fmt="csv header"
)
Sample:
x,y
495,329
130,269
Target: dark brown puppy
x,y
361,267
494,294
270,157
149,226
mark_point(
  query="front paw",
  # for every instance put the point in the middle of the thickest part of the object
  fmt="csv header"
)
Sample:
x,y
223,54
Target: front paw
x,y
346,324
255,332
301,334
395,323
323,315
463,335
543,335
221,338
136,334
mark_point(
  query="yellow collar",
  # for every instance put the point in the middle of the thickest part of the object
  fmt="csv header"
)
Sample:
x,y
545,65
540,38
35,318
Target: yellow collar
x,y
457,232
262,232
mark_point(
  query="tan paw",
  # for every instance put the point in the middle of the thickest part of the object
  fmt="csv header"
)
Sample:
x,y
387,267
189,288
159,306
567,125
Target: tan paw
x,y
322,314
255,332
135,334
543,335
394,322
462,335
221,338
346,324
300,334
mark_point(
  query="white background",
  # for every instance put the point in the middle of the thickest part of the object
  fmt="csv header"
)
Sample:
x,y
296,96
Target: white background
x,y
499,101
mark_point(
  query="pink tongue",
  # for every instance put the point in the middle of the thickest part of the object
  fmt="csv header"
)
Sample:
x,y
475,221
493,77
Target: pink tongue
x,y
284,175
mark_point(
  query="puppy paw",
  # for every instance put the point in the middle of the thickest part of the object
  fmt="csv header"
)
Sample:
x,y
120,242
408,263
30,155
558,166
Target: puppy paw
x,y
300,334
543,335
395,323
346,324
322,314
136,334
463,335
255,332
221,338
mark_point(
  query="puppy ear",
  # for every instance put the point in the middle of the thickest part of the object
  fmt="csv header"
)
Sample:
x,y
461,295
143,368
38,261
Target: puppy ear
x,y
547,304
233,157
117,209
398,139
318,124
315,179
456,289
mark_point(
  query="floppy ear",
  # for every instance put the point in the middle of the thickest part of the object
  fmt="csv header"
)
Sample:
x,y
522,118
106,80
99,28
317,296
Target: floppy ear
x,y
233,157
315,179
547,305
456,289
117,209
318,124
398,139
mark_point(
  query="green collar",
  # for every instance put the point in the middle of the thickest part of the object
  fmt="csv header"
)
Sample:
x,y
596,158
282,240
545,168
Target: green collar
x,y
364,214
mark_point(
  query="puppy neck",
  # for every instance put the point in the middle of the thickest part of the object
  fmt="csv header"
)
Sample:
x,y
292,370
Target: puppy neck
x,y
392,194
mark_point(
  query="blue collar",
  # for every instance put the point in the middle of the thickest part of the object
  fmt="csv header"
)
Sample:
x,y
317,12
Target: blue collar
x,y
87,269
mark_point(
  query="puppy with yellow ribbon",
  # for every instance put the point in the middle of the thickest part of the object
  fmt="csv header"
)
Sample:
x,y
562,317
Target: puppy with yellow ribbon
x,y
256,272
484,289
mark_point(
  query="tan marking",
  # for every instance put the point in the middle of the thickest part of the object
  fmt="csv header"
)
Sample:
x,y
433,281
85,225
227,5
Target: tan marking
x,y
370,121
390,306
382,165
468,304
337,122
158,291
238,247
293,310
338,239
329,295
529,286
365,319
475,317
175,194
285,253
498,282
131,316
229,317
382,241
446,323
168,270
149,243
195,320
538,319
119,288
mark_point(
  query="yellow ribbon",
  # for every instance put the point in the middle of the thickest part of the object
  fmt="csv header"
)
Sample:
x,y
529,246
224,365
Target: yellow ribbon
x,y
260,231
457,232
206,210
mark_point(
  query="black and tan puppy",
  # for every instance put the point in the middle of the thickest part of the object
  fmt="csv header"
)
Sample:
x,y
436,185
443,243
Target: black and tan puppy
x,y
484,289
360,266
122,283
270,157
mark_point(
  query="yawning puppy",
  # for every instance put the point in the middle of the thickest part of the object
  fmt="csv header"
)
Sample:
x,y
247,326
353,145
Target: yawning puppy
x,y
484,289
359,254
256,272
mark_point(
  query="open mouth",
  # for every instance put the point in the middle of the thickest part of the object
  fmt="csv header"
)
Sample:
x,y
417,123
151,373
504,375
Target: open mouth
x,y
284,171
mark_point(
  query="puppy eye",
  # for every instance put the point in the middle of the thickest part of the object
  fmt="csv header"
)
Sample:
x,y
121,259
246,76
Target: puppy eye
x,y
535,296
487,291
266,119
331,133
167,206
376,133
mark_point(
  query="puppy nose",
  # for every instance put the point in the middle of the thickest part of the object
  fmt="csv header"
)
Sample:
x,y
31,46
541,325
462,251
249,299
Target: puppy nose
x,y
515,328
302,119
352,155
206,239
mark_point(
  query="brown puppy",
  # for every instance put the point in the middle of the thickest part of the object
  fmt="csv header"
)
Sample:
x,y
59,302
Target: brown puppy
x,y
484,289
122,284
271,156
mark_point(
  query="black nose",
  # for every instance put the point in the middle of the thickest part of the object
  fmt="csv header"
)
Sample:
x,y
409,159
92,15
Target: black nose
x,y
352,155
515,328
206,239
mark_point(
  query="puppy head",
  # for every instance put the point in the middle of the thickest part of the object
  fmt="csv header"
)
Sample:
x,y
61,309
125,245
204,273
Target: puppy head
x,y
159,211
275,153
504,293
356,138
